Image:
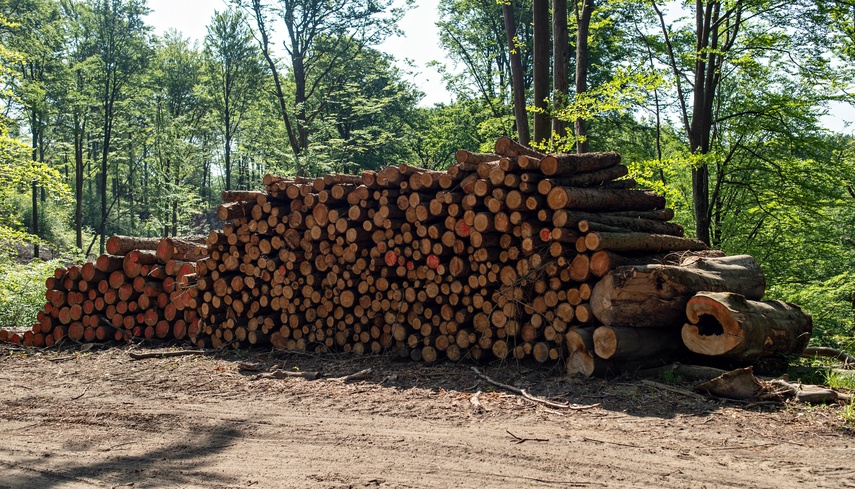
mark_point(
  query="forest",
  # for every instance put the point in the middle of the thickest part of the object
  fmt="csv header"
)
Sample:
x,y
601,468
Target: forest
x,y
107,128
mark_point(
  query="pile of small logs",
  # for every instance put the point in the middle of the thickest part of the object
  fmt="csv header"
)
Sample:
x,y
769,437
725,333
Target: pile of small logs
x,y
139,289
498,256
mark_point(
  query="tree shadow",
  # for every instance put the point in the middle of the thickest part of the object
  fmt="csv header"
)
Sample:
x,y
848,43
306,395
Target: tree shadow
x,y
180,463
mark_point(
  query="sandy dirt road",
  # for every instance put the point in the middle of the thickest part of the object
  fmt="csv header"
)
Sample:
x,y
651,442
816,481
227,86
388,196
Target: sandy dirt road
x,y
101,419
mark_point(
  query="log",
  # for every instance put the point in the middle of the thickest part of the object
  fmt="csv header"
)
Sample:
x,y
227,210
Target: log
x,y
656,295
186,249
729,326
641,242
569,164
635,344
120,245
595,199
588,179
506,146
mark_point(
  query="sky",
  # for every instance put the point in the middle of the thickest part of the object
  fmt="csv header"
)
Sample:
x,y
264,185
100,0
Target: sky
x,y
420,44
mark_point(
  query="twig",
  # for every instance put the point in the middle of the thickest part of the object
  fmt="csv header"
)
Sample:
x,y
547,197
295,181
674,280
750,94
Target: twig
x,y
62,359
673,389
585,438
361,375
81,394
519,440
165,354
526,395
116,446
284,374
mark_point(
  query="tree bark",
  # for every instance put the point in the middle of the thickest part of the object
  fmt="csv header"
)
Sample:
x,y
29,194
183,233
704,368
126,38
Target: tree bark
x,y
634,344
560,65
517,76
583,22
540,82
656,295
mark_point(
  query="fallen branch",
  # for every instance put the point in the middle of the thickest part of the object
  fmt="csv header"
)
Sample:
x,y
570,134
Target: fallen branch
x,y
165,354
519,440
817,351
361,375
81,394
526,395
62,359
677,390
285,374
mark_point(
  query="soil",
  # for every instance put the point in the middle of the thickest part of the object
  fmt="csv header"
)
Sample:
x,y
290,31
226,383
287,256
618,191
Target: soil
x,y
101,419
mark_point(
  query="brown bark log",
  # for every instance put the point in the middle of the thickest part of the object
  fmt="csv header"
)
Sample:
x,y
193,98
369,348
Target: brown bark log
x,y
570,164
634,344
120,245
727,325
656,295
603,200
641,242
507,147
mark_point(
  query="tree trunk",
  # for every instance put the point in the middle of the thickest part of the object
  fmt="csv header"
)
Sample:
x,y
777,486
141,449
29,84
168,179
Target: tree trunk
x,y
656,295
727,325
560,65
540,82
583,22
517,83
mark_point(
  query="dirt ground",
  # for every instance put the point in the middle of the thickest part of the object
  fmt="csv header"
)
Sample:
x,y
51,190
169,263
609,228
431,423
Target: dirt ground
x,y
102,419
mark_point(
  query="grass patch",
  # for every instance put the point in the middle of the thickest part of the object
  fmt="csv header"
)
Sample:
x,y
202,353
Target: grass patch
x,y
840,380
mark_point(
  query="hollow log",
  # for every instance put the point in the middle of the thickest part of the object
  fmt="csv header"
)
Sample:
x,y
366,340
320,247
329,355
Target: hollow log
x,y
729,326
656,295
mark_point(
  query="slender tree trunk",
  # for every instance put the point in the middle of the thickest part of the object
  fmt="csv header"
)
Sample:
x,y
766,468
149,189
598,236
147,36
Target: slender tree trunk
x,y
560,64
280,95
583,17
78,182
108,129
542,126
228,154
517,83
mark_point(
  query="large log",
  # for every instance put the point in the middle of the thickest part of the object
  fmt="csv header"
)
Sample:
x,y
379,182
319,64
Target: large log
x,y
587,179
596,199
641,242
506,146
564,218
729,326
569,164
635,344
120,245
656,295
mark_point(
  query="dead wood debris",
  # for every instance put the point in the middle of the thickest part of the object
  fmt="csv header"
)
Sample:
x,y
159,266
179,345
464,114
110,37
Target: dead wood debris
x,y
519,440
166,354
529,397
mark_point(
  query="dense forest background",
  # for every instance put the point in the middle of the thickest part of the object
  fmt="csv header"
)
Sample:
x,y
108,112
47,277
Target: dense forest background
x,y
107,129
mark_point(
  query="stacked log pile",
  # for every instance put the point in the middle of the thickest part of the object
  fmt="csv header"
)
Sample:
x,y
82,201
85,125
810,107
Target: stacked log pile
x,y
507,255
497,257
139,289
